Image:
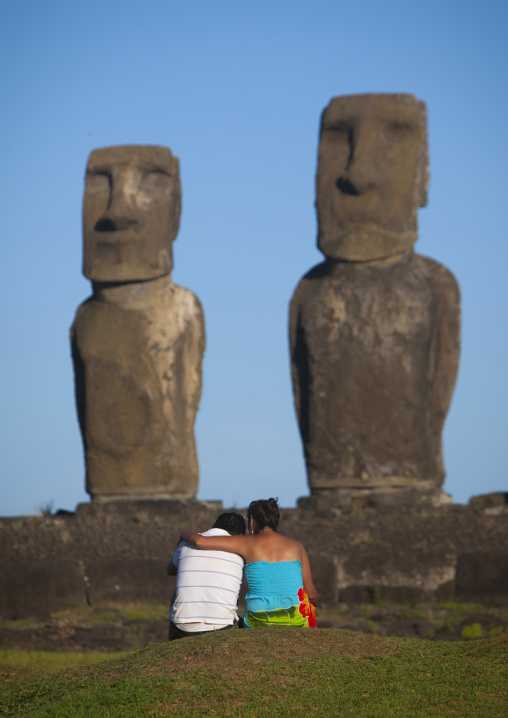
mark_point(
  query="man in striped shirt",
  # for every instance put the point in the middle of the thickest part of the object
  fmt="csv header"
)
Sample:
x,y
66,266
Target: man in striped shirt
x,y
207,583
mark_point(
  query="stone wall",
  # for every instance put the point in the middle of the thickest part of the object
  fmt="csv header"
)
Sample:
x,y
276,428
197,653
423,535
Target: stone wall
x,y
359,552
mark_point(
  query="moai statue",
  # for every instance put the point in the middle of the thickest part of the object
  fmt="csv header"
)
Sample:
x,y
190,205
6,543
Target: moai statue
x,y
138,341
374,329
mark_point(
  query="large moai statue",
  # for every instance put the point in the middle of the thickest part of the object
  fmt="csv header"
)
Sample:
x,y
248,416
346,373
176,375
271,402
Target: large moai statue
x,y
374,329
138,341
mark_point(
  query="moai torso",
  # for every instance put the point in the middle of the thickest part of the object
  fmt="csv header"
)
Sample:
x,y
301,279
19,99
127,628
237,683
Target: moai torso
x,y
374,352
374,339
138,341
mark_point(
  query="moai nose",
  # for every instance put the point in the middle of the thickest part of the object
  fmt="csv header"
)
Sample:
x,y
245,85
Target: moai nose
x,y
362,171
112,221
121,212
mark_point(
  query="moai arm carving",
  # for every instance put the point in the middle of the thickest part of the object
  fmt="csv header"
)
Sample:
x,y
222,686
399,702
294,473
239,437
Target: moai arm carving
x,y
299,366
189,352
79,381
445,345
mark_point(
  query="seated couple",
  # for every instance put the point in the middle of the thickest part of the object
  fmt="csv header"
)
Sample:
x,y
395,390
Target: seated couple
x,y
209,574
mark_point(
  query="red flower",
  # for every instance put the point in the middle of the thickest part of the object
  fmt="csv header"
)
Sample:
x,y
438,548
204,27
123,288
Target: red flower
x,y
306,608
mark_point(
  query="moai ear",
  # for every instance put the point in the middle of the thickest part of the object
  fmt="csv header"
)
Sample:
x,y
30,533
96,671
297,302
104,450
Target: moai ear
x,y
176,198
423,176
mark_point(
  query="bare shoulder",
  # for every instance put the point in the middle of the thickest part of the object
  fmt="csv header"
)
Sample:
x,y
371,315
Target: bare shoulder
x,y
301,548
296,548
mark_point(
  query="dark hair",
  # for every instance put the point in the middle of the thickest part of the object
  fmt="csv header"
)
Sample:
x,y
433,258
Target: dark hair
x,y
231,522
265,513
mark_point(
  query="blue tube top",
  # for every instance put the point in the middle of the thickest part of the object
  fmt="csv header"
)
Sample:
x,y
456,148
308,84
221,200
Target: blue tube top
x,y
273,585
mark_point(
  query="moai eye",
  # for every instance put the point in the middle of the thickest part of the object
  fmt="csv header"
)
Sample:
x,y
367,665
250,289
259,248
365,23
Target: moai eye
x,y
396,130
155,179
98,182
340,134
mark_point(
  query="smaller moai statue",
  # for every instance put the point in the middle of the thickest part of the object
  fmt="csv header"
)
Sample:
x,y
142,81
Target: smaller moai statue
x,y
138,341
374,329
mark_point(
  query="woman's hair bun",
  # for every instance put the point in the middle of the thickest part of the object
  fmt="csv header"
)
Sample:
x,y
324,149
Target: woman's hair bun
x,y
265,512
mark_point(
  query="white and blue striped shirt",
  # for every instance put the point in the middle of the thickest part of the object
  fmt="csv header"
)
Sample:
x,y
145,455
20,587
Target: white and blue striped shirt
x,y
207,587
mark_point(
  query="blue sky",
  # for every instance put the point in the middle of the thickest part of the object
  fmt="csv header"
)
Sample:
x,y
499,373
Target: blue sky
x,y
236,91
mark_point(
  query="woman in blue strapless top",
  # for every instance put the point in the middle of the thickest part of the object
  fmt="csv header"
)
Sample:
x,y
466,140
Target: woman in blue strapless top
x,y
281,591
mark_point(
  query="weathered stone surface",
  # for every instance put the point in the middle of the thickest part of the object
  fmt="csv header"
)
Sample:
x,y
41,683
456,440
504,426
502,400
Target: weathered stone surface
x,y
481,573
137,345
371,572
494,500
37,588
137,352
325,574
375,355
142,511
131,213
374,330
378,497
128,579
372,175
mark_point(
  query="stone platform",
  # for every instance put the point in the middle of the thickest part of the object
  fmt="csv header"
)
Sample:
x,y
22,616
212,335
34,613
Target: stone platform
x,y
361,549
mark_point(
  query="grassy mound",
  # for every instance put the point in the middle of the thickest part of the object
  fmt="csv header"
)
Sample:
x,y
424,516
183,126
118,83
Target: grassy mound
x,y
277,672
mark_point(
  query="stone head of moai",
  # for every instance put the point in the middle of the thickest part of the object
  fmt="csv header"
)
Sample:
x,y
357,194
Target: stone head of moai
x,y
372,175
131,213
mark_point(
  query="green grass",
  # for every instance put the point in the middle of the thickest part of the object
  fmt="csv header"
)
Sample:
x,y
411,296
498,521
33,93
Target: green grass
x,y
22,623
275,672
52,661
496,631
147,611
474,631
